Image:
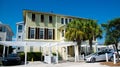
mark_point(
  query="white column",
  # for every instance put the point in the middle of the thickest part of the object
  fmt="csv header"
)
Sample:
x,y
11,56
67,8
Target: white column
x,y
49,60
106,57
57,53
25,50
66,53
76,53
114,58
56,29
3,51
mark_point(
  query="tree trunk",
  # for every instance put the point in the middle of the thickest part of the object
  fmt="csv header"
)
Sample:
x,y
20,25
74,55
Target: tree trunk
x,y
116,48
90,43
79,46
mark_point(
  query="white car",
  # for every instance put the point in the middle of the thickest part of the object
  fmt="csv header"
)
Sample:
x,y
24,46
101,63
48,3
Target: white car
x,y
98,56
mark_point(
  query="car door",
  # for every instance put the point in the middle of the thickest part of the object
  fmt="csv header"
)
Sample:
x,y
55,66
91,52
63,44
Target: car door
x,y
101,56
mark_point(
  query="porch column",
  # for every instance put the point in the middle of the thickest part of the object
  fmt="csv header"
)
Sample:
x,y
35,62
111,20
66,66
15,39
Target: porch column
x,y
25,50
66,53
57,53
76,53
3,51
49,60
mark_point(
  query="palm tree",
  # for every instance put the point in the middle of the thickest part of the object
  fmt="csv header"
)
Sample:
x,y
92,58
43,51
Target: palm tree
x,y
93,31
113,33
74,32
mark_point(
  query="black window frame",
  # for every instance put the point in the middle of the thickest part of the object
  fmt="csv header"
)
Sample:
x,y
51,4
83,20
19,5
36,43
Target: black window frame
x,y
33,16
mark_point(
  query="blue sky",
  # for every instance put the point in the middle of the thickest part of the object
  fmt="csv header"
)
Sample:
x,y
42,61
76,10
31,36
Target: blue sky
x,y
101,10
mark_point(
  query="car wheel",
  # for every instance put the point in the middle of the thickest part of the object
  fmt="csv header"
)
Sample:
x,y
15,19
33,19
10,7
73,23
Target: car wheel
x,y
4,64
93,60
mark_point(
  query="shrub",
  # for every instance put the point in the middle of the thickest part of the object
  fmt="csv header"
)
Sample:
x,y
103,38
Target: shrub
x,y
36,56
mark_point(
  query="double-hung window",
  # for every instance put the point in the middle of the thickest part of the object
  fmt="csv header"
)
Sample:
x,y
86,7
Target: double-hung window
x,y
33,17
62,20
19,28
50,33
32,33
41,33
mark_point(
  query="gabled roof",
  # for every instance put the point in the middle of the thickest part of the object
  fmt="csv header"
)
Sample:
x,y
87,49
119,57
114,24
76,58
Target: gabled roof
x,y
8,28
20,22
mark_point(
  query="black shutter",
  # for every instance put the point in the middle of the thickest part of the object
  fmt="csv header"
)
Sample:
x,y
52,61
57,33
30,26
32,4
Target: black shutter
x,y
28,32
46,33
36,30
53,34
38,33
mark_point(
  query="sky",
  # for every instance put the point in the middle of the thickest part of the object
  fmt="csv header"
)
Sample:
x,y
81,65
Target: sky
x,y
11,11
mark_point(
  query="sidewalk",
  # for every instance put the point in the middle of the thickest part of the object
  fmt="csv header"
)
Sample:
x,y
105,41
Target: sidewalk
x,y
65,64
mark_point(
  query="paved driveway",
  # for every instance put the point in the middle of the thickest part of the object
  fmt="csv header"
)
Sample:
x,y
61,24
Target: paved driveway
x,y
65,64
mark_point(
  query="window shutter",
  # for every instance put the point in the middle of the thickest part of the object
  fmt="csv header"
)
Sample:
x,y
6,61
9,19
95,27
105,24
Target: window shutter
x,y
28,32
46,33
53,34
38,33
36,30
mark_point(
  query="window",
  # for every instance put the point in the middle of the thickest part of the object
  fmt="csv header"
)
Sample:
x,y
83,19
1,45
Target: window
x,y
42,18
0,29
32,32
70,20
18,48
19,37
62,20
62,33
0,39
33,17
66,21
50,19
19,28
50,33
41,33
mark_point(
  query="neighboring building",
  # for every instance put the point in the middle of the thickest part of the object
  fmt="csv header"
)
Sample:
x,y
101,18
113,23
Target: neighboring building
x,y
20,35
41,26
20,31
5,32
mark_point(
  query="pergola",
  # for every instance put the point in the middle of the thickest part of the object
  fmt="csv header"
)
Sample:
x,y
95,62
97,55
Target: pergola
x,y
41,44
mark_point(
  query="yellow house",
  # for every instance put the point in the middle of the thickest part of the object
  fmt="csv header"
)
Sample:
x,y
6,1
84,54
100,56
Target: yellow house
x,y
47,27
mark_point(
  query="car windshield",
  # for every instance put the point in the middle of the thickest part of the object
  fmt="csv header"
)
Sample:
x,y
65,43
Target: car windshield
x,y
12,55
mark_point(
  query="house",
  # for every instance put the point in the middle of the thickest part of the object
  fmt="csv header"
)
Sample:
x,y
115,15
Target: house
x,y
6,34
47,27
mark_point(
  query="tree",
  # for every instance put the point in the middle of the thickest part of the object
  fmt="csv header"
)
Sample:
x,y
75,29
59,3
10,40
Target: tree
x,y
93,31
113,33
74,32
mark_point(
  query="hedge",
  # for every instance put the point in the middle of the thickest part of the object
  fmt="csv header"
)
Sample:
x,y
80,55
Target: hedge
x,y
31,56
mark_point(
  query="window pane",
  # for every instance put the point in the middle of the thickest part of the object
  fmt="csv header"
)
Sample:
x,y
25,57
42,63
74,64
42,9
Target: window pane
x,y
50,19
20,28
66,21
42,18
62,20
0,39
0,29
32,33
70,20
33,17
50,33
41,33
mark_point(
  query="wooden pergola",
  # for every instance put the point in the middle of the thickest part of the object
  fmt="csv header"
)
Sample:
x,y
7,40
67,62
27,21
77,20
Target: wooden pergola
x,y
41,44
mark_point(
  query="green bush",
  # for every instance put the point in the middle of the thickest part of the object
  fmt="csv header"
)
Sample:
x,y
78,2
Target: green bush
x,y
36,56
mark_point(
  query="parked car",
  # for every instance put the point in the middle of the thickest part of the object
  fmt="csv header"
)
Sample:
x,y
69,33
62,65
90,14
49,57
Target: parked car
x,y
11,59
99,56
